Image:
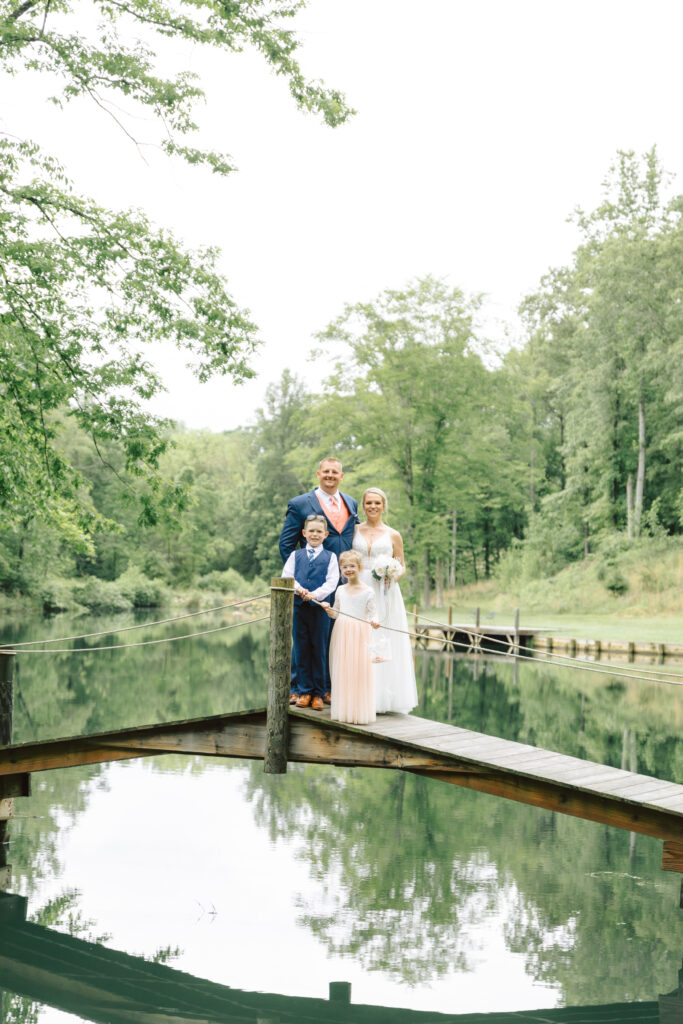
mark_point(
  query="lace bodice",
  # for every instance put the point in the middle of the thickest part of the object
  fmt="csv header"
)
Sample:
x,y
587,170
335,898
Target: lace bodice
x,y
360,603
381,546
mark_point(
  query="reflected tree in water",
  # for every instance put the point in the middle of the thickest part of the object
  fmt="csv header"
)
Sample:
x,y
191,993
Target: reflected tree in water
x,y
410,869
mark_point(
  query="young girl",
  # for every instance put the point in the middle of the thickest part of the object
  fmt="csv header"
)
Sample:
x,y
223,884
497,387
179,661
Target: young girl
x,y
353,690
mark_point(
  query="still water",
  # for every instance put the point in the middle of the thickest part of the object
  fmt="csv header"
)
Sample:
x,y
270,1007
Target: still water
x,y
417,893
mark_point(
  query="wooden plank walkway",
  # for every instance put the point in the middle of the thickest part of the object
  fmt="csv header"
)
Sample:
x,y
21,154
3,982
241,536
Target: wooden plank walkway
x,y
489,764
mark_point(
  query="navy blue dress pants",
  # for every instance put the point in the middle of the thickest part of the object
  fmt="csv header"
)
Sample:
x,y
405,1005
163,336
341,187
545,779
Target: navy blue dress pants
x,y
311,628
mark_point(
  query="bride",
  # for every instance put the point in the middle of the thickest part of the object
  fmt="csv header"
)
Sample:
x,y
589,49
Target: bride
x,y
395,688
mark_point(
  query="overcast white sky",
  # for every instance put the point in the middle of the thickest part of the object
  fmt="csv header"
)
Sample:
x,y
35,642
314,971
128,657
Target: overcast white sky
x,y
480,126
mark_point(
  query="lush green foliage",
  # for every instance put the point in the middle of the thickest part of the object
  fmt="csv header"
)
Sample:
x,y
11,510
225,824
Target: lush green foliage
x,y
82,288
602,367
569,447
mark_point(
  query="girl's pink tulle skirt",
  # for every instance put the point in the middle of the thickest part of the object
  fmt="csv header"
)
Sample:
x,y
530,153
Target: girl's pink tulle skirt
x,y
353,690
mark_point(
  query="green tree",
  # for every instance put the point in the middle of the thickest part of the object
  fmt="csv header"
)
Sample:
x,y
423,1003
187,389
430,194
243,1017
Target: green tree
x,y
411,403
282,466
82,288
604,336
408,379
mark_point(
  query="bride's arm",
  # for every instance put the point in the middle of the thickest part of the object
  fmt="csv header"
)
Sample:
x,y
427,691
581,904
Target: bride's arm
x,y
397,543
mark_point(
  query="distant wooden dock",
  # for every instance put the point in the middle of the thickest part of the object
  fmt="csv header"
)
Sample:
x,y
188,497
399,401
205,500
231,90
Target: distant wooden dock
x,y
516,771
506,641
472,639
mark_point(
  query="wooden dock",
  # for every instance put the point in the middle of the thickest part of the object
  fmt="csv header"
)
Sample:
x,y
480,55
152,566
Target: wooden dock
x,y
474,638
506,641
96,983
516,771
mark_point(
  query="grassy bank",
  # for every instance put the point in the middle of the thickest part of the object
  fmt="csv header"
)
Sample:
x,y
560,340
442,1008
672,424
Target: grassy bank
x,y
630,592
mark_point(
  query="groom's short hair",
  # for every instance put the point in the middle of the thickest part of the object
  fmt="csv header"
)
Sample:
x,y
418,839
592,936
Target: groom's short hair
x,y
329,458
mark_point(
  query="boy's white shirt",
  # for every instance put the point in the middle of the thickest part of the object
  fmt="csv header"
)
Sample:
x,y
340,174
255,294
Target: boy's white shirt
x,y
331,579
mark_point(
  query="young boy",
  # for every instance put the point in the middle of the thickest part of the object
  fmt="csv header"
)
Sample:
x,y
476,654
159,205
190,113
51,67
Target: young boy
x,y
316,575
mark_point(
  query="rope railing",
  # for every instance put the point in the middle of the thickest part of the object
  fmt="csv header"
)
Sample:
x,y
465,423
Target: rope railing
x,y
138,625
139,643
542,657
536,658
568,659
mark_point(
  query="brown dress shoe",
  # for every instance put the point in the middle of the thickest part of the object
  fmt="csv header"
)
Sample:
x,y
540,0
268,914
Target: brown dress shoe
x,y
317,704
293,698
327,697
304,700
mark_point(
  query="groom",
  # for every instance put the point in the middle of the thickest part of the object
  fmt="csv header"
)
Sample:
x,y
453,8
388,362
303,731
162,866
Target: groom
x,y
340,511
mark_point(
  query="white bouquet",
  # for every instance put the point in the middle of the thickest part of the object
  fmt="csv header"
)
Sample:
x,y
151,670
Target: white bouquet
x,y
386,569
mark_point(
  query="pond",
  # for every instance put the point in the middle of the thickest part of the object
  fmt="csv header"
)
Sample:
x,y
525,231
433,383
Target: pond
x,y
419,894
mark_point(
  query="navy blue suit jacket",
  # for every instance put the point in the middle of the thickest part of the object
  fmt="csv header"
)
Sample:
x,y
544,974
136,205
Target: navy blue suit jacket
x,y
305,505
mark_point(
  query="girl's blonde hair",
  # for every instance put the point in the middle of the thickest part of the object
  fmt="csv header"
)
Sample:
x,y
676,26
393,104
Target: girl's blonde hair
x,y
351,556
376,490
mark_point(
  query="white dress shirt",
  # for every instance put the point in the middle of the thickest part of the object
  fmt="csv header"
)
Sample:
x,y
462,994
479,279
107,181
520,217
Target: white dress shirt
x,y
329,501
331,580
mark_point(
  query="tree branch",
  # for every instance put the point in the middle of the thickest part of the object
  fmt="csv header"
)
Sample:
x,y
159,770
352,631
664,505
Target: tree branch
x,y
47,8
22,9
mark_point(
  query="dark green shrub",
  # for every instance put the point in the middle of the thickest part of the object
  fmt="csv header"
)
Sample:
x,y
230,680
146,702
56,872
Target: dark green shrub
x,y
101,596
141,591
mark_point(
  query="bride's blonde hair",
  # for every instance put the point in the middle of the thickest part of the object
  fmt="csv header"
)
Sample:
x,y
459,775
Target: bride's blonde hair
x,y
376,490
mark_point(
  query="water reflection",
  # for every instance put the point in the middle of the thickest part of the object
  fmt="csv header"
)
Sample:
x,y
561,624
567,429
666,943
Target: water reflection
x,y
41,965
416,869
412,876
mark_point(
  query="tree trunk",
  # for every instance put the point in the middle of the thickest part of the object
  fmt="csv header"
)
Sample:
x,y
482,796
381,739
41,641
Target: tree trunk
x,y
426,581
629,506
487,548
454,539
24,534
616,476
586,540
640,475
532,467
439,582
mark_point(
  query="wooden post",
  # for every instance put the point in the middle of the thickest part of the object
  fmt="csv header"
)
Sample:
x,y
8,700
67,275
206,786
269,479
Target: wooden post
x,y
672,856
340,992
6,717
477,617
450,615
414,618
279,675
6,695
450,687
515,651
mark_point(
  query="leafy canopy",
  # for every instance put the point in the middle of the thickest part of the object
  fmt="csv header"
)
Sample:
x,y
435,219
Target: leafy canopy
x,y
83,288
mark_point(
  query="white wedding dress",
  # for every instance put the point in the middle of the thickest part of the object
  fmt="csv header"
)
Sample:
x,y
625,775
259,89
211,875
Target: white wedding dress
x,y
395,688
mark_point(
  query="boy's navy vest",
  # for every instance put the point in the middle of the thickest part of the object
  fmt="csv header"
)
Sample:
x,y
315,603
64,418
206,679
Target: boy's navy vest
x,y
310,573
